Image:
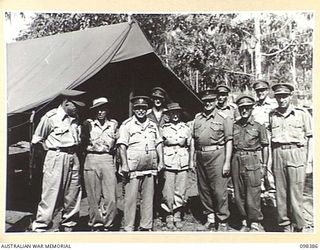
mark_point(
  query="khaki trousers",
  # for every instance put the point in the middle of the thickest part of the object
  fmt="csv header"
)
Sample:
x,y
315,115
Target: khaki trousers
x,y
61,187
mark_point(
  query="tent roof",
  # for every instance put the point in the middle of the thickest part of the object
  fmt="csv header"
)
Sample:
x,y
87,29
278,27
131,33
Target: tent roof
x,y
38,69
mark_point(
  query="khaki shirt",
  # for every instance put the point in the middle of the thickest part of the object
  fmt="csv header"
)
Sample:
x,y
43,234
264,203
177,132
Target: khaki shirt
x,y
292,127
230,110
250,136
102,138
213,129
260,112
56,129
141,140
176,157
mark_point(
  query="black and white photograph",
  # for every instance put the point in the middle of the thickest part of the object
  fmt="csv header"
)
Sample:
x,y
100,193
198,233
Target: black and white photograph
x,y
170,122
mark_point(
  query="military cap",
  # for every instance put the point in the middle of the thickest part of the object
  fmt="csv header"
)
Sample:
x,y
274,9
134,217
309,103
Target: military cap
x,y
159,92
208,94
282,88
221,88
73,95
99,102
260,84
140,101
173,106
245,100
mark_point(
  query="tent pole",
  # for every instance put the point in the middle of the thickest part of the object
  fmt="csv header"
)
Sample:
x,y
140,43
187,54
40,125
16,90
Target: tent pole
x,y
31,152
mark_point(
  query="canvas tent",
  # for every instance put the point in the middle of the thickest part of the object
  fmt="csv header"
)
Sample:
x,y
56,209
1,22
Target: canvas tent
x,y
112,61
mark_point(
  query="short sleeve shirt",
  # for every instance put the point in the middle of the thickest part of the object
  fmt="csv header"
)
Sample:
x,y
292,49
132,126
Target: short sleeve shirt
x,y
294,126
213,129
260,112
102,137
176,157
56,129
141,140
139,136
250,136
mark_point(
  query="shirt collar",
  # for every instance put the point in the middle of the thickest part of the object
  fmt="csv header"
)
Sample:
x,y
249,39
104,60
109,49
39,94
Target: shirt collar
x,y
212,114
105,125
62,114
289,111
249,121
145,124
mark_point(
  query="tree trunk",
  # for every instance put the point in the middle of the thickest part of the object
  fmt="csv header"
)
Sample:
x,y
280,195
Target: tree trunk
x,y
258,72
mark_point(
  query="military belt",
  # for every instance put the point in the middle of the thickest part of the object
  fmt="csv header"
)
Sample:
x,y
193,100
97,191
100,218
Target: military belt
x,y
245,152
209,148
97,152
286,146
68,150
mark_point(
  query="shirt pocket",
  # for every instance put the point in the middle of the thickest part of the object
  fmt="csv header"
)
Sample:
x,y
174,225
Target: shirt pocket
x,y
133,160
252,136
253,169
297,164
296,130
216,131
59,131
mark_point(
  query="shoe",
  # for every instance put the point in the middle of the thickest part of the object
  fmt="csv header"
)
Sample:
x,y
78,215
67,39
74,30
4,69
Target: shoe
x,y
97,229
65,229
298,229
222,227
286,229
244,229
254,227
210,226
142,229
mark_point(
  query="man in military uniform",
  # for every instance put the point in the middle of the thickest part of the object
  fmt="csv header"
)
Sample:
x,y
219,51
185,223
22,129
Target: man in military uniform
x,y
159,102
223,104
141,154
291,135
212,133
260,114
100,135
249,139
59,133
176,138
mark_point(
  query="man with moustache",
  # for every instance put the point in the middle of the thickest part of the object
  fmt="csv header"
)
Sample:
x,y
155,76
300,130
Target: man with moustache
x,y
99,136
291,134
141,154
212,133
250,141
58,132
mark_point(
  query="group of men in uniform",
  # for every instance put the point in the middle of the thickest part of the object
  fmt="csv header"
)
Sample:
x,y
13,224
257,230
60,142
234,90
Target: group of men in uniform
x,y
262,145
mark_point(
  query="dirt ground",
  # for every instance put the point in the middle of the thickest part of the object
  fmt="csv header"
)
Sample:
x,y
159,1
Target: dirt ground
x,y
193,218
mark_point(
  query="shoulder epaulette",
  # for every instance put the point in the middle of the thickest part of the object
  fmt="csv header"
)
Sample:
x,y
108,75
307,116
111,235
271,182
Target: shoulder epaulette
x,y
197,115
301,108
223,115
51,113
165,125
128,120
114,121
